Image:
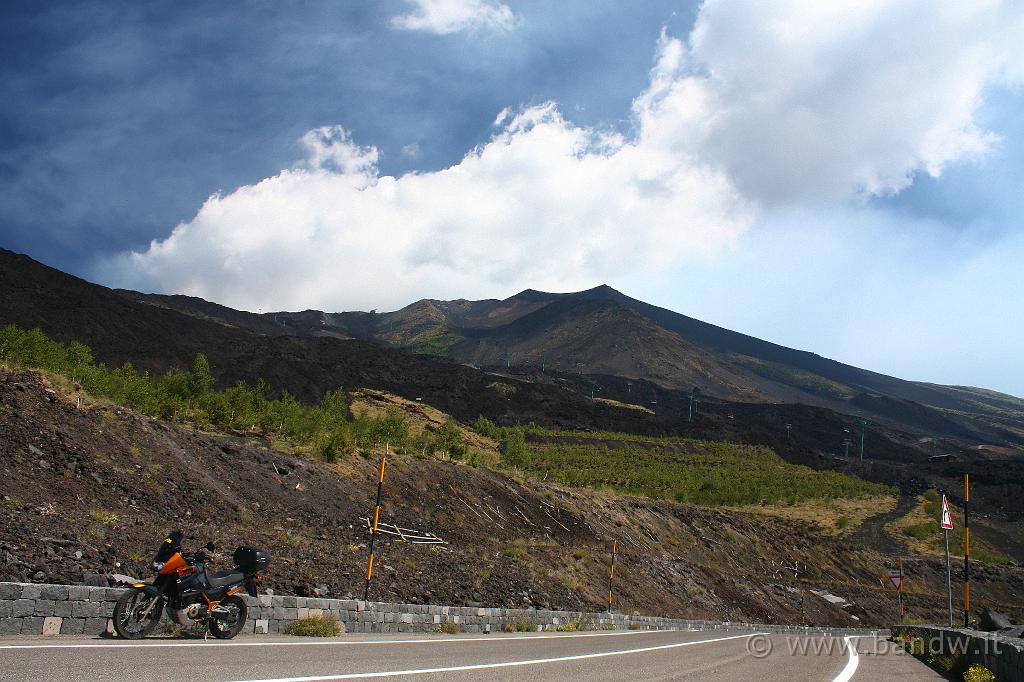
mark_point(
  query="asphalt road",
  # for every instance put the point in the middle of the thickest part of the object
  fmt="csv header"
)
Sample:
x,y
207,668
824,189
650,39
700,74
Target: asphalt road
x,y
634,655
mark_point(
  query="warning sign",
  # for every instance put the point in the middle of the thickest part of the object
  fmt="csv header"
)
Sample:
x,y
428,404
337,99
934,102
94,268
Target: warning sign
x,y
947,519
896,578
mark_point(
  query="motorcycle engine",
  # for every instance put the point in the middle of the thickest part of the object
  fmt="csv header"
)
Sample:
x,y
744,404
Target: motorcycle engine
x,y
190,612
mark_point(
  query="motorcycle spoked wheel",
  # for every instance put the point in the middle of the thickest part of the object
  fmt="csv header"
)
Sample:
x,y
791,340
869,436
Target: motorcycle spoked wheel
x,y
227,625
128,620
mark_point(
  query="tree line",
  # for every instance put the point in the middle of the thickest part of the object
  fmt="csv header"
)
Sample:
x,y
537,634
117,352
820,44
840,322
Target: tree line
x,y
327,428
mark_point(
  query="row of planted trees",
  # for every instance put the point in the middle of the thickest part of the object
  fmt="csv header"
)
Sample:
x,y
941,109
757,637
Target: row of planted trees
x,y
327,428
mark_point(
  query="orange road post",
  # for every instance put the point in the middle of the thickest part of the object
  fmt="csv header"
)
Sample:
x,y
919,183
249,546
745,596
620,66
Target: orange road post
x,y
373,528
611,573
967,552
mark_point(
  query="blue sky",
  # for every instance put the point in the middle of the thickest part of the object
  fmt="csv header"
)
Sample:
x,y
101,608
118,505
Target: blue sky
x,y
838,177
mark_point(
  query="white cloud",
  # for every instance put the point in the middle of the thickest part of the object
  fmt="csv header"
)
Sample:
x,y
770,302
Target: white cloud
x,y
451,16
803,100
766,104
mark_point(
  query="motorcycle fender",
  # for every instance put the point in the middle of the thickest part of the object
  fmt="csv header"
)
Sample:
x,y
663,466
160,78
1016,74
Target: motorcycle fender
x,y
148,589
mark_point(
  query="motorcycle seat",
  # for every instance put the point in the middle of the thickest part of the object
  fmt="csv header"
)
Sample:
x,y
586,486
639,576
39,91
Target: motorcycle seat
x,y
225,578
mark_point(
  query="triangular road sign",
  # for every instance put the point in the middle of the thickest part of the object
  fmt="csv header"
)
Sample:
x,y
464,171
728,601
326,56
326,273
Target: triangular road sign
x,y
947,519
896,578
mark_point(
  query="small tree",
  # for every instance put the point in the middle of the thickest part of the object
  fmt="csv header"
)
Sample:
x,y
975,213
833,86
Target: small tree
x,y
513,448
449,439
200,379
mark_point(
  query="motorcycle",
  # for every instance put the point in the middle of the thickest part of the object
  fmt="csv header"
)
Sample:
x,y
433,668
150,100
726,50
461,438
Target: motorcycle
x,y
190,593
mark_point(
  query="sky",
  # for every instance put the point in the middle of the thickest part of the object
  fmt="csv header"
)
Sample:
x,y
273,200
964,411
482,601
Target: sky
x,y
842,177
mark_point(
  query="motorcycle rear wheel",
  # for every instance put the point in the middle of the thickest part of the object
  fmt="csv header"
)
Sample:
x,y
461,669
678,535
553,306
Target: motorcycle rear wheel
x,y
222,627
128,610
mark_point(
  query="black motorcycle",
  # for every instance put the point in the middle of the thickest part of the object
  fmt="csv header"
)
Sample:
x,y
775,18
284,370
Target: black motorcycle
x,y
192,595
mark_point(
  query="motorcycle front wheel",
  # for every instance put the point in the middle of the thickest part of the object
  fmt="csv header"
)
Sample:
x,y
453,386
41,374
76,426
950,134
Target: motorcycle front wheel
x,y
136,614
228,618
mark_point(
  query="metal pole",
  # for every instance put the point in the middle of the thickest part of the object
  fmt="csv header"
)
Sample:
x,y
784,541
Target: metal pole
x,y
967,552
900,591
373,529
689,416
949,577
863,426
611,573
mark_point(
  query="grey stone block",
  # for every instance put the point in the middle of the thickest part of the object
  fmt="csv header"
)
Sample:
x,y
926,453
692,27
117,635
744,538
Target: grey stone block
x,y
113,593
72,626
5,609
54,592
10,626
45,607
277,601
23,607
82,593
90,609
31,591
10,591
289,602
62,608
95,626
33,625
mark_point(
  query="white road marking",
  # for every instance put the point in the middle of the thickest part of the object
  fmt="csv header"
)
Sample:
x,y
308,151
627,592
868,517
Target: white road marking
x,y
505,664
451,640
846,674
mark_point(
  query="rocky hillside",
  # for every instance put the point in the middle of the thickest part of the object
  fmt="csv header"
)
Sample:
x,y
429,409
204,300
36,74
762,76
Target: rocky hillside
x,y
89,488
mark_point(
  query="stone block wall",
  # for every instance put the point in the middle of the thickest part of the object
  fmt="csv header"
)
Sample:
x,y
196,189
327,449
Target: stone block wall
x,y
31,609
1002,655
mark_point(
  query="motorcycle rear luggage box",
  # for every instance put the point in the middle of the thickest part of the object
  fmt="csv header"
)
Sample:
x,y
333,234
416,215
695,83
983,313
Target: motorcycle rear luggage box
x,y
251,559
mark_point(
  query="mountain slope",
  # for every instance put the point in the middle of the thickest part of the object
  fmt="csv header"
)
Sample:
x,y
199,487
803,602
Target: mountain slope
x,y
88,488
602,331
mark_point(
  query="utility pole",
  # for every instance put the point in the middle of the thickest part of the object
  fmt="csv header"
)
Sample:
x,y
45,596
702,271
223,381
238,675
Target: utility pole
x,y
789,431
693,401
967,552
611,573
863,425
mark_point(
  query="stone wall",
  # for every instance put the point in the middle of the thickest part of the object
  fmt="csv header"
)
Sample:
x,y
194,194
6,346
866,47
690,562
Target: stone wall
x,y
31,609
1002,655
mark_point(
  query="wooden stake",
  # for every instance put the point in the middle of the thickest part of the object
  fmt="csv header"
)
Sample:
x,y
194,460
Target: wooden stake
x,y
373,529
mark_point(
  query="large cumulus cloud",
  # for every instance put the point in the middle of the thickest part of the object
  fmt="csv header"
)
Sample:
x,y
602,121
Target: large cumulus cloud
x,y
763,105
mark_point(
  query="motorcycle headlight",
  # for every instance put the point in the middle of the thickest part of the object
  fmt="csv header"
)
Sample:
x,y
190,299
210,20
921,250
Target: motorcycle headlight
x,y
157,565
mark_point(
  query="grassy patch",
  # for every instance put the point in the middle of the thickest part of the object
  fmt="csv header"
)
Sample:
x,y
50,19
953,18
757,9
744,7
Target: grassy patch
x,y
699,472
575,624
103,516
920,530
314,626
521,625
625,406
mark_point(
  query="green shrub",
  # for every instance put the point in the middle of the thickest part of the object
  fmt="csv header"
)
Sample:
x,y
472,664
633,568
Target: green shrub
x,y
314,626
521,625
979,673
485,427
575,624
